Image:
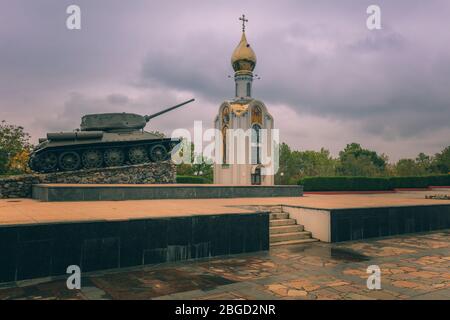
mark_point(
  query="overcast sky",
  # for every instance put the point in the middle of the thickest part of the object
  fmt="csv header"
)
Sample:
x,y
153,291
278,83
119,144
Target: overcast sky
x,y
325,77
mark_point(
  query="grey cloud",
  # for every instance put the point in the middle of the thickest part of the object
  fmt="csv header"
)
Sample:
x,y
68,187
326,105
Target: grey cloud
x,y
382,78
118,99
314,57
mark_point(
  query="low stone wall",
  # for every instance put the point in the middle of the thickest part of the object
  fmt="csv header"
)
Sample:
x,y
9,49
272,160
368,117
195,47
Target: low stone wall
x,y
20,186
37,251
85,192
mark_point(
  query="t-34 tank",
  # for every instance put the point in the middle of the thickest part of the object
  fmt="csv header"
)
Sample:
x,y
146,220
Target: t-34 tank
x,y
103,140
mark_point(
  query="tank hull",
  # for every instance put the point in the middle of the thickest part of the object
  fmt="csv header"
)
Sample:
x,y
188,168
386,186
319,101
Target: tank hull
x,y
66,153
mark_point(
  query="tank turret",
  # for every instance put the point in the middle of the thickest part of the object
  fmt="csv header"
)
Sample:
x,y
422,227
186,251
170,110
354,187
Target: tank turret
x,y
121,121
103,140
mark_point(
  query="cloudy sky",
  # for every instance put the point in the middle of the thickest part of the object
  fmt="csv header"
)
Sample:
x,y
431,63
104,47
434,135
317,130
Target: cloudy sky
x,y
325,77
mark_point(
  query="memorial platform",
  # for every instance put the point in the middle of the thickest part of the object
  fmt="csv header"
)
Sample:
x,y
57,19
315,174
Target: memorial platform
x,y
40,239
119,192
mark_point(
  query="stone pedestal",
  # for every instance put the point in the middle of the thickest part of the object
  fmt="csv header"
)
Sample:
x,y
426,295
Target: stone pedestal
x,y
149,173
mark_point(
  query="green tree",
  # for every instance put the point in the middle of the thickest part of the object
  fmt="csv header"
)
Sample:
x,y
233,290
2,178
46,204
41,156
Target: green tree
x,y
441,161
424,161
284,170
356,161
313,163
3,161
202,166
358,166
298,164
409,167
13,141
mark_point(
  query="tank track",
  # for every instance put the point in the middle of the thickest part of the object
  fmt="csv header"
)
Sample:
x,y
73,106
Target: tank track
x,y
91,156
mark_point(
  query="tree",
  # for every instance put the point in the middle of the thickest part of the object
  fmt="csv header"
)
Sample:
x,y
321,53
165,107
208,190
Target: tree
x,y
356,161
202,166
14,148
19,162
295,165
284,169
358,166
313,163
423,160
409,167
441,161
3,161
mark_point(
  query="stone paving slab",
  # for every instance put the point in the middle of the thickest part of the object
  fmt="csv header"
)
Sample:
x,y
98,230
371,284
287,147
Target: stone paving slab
x,y
412,267
28,211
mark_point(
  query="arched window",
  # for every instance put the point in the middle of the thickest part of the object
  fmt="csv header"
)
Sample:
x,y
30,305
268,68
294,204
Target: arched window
x,y
236,89
224,144
225,116
256,144
256,115
249,89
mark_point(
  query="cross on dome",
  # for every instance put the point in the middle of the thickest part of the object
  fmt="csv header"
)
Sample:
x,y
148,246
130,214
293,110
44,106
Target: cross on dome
x,y
243,22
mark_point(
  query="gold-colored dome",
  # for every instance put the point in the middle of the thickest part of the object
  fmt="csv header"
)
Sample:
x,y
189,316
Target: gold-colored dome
x,y
243,58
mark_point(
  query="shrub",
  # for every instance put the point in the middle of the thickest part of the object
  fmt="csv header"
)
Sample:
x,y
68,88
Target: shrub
x,y
371,183
440,180
344,184
409,182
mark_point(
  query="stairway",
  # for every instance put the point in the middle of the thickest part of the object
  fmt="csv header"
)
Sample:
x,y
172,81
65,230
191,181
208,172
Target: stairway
x,y
284,231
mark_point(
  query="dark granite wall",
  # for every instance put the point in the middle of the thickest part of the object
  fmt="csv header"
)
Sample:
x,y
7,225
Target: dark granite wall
x,y
362,223
129,192
28,252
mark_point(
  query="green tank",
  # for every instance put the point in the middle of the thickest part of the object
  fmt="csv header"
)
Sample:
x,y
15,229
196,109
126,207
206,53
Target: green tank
x,y
103,140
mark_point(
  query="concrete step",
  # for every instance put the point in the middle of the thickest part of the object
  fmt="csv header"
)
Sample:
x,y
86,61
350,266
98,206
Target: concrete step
x,y
290,236
301,241
279,215
286,229
281,222
274,209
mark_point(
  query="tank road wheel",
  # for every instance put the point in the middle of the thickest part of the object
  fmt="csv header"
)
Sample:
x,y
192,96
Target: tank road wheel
x,y
137,155
46,162
114,157
69,161
158,153
92,159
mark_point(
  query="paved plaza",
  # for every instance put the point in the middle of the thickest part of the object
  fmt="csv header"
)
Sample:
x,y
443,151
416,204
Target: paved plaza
x,y
27,211
412,267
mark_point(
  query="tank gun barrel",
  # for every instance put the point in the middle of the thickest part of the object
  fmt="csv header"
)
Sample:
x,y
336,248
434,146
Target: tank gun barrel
x,y
147,118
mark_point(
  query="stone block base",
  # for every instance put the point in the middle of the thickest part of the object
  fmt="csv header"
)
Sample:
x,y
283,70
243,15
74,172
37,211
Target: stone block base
x,y
20,186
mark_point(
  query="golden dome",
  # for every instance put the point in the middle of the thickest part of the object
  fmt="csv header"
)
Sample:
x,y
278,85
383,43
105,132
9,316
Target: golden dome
x,y
243,58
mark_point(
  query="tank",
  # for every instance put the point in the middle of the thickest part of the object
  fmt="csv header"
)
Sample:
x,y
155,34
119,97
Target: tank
x,y
103,140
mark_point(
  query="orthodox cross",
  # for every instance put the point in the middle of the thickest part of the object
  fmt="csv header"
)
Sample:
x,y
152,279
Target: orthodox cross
x,y
243,22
